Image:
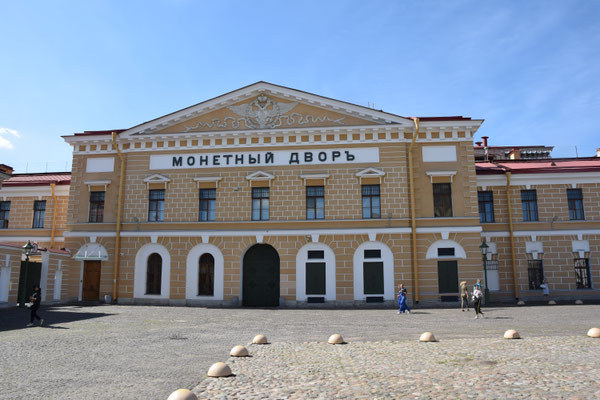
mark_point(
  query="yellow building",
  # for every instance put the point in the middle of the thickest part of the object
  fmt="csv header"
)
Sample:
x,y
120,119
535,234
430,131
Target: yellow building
x,y
269,196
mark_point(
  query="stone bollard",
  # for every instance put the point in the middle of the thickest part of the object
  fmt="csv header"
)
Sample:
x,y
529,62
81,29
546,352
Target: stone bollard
x,y
552,303
594,332
521,303
427,337
511,334
259,339
335,339
579,302
182,394
239,351
219,370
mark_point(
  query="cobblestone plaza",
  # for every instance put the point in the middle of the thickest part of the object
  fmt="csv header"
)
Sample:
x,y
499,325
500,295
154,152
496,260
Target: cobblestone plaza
x,y
145,352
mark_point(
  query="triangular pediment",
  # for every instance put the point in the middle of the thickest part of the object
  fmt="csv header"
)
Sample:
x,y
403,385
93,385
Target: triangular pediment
x,y
264,106
370,173
157,178
260,176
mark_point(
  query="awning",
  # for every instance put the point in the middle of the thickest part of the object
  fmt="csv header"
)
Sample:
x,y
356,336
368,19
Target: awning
x,y
91,251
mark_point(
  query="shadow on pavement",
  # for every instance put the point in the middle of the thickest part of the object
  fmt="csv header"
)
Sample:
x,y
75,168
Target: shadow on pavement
x,y
17,318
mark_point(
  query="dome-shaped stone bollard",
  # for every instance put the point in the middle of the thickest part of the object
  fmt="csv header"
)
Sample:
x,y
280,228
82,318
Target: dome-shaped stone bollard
x,y
259,339
552,303
335,339
182,394
594,332
521,303
511,334
219,370
579,302
427,337
239,351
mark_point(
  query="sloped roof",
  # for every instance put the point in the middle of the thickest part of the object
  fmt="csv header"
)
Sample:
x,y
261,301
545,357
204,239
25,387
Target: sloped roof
x,y
544,166
59,178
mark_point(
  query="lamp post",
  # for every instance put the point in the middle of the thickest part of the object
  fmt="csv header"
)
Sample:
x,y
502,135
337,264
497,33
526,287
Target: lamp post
x,y
484,249
27,249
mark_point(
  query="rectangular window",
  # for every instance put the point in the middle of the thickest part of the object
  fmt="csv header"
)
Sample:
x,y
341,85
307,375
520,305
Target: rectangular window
x,y
156,205
575,199
529,203
372,254
260,204
442,200
39,210
315,202
96,207
582,273
315,278
486,206
316,254
445,252
208,204
4,214
535,271
371,207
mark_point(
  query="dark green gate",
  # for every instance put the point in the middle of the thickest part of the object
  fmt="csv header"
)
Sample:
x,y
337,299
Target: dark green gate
x,y
34,273
448,276
260,287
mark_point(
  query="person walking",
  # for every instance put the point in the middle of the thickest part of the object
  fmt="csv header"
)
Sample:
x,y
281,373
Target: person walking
x,y
464,296
36,299
477,297
402,306
545,288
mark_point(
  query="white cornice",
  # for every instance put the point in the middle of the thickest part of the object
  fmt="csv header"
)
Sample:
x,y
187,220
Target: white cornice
x,y
554,232
557,178
33,191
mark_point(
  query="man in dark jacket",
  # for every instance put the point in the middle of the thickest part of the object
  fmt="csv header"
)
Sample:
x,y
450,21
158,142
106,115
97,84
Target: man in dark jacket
x,y
36,299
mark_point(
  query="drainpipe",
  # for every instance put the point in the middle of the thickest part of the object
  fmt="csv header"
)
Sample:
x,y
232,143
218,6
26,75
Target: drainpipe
x,y
52,185
118,234
413,218
512,236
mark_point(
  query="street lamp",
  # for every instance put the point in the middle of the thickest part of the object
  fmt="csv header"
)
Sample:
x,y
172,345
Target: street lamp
x,y
484,249
27,250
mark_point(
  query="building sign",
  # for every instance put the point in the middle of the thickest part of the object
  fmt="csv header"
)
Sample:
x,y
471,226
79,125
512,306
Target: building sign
x,y
265,158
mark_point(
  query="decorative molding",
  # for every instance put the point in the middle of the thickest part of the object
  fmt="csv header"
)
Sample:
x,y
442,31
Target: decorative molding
x,y
306,177
157,178
433,174
370,173
104,183
528,180
260,176
215,179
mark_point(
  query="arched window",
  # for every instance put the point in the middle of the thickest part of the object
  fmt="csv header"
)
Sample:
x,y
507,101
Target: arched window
x,y
206,275
154,274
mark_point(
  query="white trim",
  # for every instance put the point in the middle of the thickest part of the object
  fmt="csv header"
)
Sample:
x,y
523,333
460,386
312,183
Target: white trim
x,y
31,191
141,264
387,257
542,233
329,260
91,251
260,176
306,177
370,173
191,272
32,238
80,295
432,251
215,179
516,179
157,178
5,280
104,183
433,174
277,232
44,274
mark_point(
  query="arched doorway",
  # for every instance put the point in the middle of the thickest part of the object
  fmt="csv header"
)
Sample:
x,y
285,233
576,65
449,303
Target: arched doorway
x,y
260,287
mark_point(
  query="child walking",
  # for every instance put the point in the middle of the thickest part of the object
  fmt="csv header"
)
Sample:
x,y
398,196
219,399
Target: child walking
x,y
477,296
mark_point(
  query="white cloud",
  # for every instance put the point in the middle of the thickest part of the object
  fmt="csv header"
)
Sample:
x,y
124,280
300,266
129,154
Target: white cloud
x,y
4,142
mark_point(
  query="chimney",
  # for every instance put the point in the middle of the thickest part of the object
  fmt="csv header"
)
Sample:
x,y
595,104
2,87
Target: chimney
x,y
598,152
479,144
514,154
485,138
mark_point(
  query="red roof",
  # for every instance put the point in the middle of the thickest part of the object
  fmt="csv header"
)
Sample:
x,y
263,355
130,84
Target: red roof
x,y
59,178
544,166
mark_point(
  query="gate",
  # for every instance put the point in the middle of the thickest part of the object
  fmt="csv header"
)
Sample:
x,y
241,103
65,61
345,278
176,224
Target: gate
x,y
34,273
260,287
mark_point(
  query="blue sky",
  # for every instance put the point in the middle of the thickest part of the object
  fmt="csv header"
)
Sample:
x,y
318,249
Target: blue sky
x,y
531,69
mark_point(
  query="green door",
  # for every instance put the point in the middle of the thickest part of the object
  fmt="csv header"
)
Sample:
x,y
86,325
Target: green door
x,y
448,276
260,286
34,273
373,277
